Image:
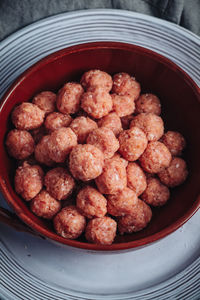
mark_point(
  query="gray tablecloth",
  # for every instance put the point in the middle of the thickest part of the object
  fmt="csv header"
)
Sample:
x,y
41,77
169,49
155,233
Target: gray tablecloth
x,y
15,14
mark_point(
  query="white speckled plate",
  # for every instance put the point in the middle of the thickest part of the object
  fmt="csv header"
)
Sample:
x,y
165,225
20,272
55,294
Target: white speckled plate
x,y
37,269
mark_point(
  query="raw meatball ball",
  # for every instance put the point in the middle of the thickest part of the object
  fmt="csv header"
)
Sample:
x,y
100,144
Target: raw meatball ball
x,y
69,223
118,157
126,121
57,120
113,178
59,183
137,220
122,203
97,103
86,162
61,142
136,179
148,103
20,144
38,134
101,231
174,141
27,116
28,181
69,97
175,174
104,139
156,194
132,143
97,78
45,101
82,126
151,124
111,121
91,203
123,105
155,158
124,84
42,151
45,206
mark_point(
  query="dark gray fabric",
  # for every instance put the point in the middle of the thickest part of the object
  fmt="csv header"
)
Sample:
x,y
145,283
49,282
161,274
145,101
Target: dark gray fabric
x,y
15,14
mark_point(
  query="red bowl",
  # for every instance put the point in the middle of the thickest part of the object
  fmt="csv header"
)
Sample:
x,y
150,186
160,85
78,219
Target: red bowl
x,y
180,98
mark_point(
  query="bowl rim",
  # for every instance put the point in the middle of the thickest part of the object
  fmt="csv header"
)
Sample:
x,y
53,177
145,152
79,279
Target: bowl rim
x,y
74,243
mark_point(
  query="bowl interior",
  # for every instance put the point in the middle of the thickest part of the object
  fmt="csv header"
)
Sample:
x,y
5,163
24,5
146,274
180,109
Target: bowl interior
x,y
180,110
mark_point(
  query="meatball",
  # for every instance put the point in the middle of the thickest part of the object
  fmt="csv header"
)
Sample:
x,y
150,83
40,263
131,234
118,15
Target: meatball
x,y
27,116
45,101
174,141
20,143
38,134
91,203
104,139
59,183
42,151
57,120
45,206
111,121
136,179
28,181
69,223
123,105
61,142
155,158
156,194
82,126
175,174
124,84
148,103
137,220
113,177
101,231
126,121
151,124
132,143
69,96
97,79
118,157
86,162
122,203
97,103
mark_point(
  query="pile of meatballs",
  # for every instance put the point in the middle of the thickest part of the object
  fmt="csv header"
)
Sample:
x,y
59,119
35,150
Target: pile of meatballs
x,y
94,158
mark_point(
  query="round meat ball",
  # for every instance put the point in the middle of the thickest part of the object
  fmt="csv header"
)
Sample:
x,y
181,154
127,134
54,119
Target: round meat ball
x,y
148,103
118,157
104,139
82,126
59,183
111,121
126,121
27,116
136,179
124,84
156,194
97,103
38,134
61,142
42,151
45,206
132,143
68,98
174,141
175,174
123,105
45,101
86,162
28,181
101,231
122,203
91,203
151,124
20,143
57,120
155,158
97,78
137,220
69,223
113,177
